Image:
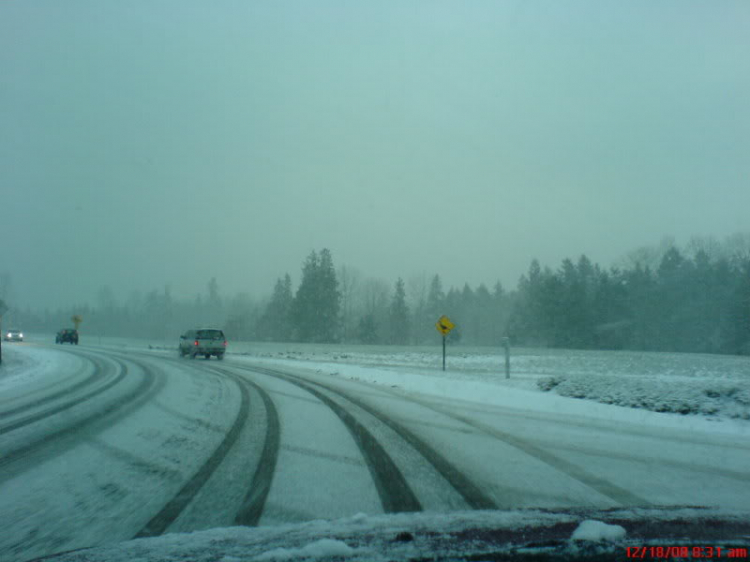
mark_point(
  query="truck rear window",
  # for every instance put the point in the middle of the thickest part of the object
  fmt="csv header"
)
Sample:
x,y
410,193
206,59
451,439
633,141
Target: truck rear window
x,y
210,335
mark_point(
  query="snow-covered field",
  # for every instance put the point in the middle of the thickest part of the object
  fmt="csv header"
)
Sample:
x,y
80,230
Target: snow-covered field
x,y
713,386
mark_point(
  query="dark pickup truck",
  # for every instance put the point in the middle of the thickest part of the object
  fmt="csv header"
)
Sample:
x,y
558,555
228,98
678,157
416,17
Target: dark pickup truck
x,y
67,335
203,342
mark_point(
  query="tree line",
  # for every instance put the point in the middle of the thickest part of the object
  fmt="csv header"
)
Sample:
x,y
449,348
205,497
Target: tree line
x,y
342,306
662,299
695,299
685,304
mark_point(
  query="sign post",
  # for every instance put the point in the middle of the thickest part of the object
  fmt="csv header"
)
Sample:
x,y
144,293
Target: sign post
x,y
506,344
444,326
3,310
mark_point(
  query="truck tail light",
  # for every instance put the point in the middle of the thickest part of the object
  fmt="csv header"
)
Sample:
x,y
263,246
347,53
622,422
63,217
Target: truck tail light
x,y
225,343
196,342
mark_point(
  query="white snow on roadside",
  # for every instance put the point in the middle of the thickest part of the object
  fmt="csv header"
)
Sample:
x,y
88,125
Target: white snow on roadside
x,y
25,365
597,531
702,386
318,549
373,538
459,386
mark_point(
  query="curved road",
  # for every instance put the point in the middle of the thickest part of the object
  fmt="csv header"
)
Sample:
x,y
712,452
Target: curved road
x,y
109,445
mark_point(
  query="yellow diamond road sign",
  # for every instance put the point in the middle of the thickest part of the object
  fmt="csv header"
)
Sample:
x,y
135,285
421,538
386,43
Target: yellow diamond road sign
x,y
444,325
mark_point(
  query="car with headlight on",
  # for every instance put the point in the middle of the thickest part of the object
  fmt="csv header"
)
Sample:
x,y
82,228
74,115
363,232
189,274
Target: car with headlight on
x,y
14,335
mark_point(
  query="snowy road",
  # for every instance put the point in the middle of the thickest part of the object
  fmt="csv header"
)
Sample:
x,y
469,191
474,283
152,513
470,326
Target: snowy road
x,y
101,445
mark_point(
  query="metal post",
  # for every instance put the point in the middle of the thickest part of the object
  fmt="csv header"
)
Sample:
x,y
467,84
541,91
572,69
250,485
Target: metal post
x,y
506,344
443,352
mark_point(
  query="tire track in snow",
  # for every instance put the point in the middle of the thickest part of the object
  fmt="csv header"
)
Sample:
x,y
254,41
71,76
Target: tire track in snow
x,y
59,382
254,501
601,485
159,523
19,460
95,376
50,397
395,493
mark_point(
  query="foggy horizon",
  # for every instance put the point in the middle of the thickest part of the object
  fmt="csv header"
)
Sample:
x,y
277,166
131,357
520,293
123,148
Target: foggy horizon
x,y
151,145
646,256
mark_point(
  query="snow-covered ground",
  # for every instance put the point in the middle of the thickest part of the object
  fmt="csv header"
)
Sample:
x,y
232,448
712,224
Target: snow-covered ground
x,y
711,386
23,368
538,390
693,386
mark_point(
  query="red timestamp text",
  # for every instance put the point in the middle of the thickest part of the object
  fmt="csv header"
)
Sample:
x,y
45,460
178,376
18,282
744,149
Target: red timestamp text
x,y
682,552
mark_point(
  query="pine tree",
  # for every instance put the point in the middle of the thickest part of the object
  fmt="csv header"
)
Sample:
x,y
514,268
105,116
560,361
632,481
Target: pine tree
x,y
329,299
436,297
349,284
399,315
275,324
316,307
484,317
466,315
739,311
304,304
367,330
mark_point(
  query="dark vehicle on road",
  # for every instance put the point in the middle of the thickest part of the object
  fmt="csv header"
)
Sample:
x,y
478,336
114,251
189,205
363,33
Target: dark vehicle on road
x,y
67,335
203,342
14,335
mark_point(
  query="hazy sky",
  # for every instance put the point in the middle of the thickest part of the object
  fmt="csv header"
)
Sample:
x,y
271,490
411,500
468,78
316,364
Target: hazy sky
x,y
145,143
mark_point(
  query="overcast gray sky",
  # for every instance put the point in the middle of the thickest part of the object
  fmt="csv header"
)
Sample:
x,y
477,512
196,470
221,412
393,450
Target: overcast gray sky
x,y
145,143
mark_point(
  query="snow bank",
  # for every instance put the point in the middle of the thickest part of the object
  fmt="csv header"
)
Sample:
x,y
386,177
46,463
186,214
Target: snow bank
x,y
322,548
597,531
704,395
712,386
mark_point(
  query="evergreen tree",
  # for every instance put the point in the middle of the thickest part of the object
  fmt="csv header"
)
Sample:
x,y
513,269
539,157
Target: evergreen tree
x,y
466,316
367,330
612,328
738,332
328,299
247,319
421,328
672,284
430,311
484,317
499,313
304,306
349,283
453,308
275,324
528,321
436,298
316,306
399,315
642,304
